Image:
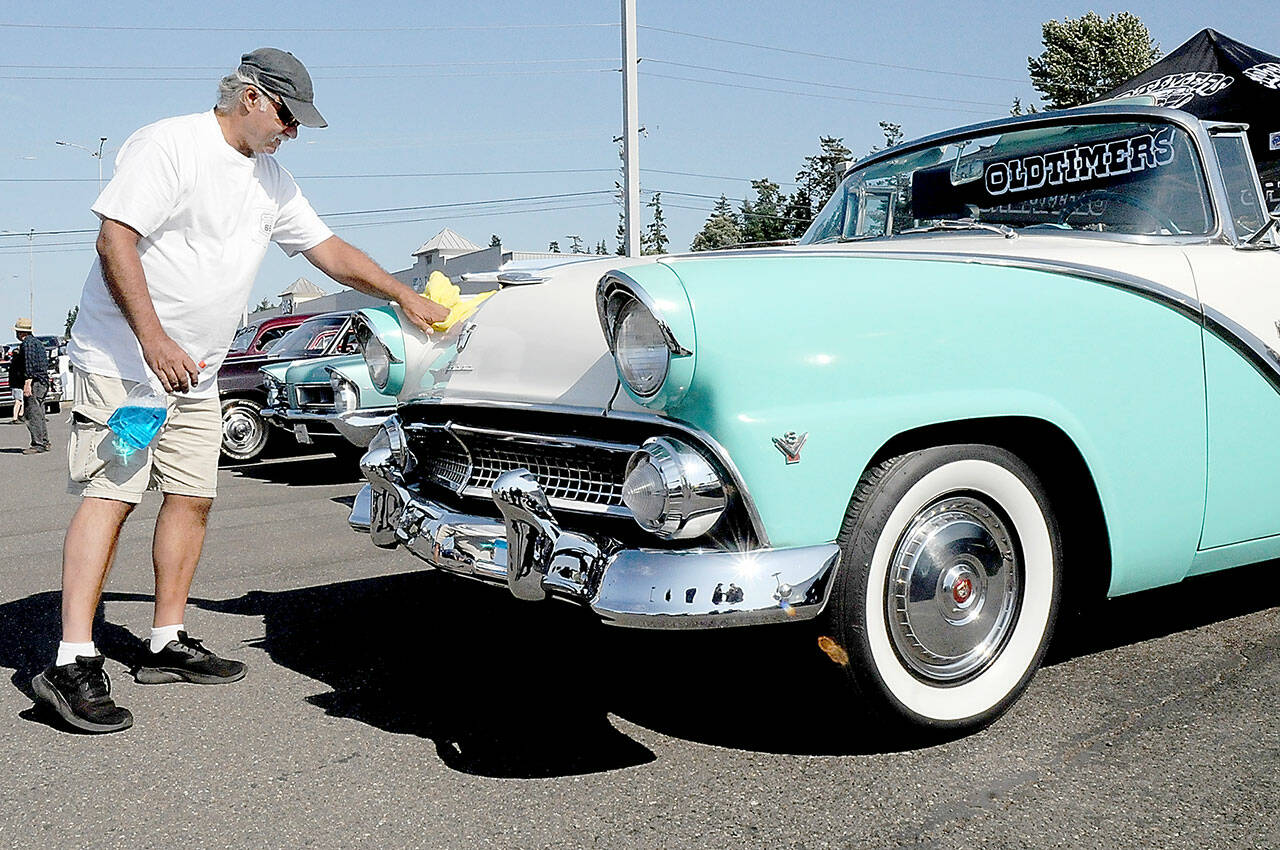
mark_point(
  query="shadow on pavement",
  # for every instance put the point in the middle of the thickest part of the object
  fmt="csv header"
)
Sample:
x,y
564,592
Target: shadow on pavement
x,y
512,689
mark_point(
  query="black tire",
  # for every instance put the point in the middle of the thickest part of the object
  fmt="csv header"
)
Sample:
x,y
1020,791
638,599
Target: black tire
x,y
966,536
244,432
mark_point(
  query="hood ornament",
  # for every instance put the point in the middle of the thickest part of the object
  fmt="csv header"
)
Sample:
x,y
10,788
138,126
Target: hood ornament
x,y
790,444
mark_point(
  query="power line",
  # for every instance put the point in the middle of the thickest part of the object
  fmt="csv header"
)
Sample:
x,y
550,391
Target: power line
x,y
399,175
397,65
258,29
813,94
829,56
343,77
821,85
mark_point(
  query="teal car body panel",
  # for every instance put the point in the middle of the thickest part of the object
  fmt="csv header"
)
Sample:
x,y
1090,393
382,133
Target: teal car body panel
x,y
843,378
350,366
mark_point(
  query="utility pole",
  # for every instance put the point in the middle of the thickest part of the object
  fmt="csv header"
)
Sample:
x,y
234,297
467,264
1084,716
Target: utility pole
x,y
31,271
102,140
630,131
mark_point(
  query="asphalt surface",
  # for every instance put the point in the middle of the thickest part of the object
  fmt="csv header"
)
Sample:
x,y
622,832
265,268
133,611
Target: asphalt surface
x,y
387,706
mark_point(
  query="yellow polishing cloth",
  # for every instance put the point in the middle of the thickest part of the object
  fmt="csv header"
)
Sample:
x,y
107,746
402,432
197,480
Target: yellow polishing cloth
x,y
442,291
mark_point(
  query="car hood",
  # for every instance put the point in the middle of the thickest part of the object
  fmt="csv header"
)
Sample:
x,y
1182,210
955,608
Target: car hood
x,y
536,343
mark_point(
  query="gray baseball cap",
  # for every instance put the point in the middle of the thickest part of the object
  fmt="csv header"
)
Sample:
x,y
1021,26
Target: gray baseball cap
x,y
284,76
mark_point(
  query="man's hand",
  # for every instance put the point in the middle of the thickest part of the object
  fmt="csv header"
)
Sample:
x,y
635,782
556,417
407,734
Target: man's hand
x,y
422,311
350,266
26,388
177,372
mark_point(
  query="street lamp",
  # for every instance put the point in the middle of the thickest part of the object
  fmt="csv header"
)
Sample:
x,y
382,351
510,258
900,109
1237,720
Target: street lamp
x,y
98,153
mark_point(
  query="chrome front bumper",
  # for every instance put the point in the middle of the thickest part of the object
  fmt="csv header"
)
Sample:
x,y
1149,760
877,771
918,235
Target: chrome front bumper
x,y
527,550
358,426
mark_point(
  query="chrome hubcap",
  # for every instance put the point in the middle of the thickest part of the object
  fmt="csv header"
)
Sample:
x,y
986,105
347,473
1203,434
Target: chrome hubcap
x,y
241,430
954,589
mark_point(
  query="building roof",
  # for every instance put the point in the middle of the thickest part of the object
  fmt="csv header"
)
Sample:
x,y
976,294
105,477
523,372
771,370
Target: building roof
x,y
449,244
302,288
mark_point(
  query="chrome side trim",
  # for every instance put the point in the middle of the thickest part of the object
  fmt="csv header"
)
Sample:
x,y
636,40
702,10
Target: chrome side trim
x,y
554,442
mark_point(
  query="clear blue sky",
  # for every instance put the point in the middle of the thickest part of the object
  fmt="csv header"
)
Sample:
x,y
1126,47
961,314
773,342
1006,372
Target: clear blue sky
x,y
437,90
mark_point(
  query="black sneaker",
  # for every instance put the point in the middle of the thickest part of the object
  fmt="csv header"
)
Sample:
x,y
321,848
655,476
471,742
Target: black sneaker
x,y
80,693
186,660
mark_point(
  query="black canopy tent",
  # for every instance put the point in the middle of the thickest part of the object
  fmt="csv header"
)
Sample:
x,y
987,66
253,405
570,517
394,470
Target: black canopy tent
x,y
1217,78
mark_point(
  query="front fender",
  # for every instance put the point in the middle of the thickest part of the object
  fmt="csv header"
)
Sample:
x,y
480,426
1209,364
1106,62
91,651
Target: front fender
x,y
853,351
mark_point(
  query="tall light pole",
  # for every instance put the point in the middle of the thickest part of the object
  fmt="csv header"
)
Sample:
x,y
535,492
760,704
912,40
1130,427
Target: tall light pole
x,y
102,140
630,132
31,269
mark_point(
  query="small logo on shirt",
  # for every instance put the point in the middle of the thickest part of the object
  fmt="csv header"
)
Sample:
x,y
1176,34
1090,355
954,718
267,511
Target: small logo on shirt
x,y
266,223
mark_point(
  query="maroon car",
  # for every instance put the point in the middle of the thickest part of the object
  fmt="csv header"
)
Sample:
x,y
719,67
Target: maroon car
x,y
244,433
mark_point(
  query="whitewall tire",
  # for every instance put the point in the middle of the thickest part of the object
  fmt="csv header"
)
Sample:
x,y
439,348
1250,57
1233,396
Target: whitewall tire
x,y
948,587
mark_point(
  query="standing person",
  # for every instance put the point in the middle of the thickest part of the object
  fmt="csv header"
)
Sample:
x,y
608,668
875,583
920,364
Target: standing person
x,y
35,385
15,381
185,223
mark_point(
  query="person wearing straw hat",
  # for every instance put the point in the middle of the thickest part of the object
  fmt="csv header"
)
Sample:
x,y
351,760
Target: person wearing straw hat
x,y
35,385
186,220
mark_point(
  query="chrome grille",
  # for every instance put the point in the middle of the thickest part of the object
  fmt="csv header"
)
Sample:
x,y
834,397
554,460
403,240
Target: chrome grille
x,y
575,473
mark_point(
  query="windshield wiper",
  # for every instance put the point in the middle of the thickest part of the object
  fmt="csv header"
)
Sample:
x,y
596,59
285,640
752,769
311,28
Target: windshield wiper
x,y
966,224
1256,237
827,240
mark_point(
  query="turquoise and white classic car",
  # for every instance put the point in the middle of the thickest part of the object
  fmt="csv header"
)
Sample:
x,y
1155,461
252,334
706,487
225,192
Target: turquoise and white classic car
x,y
1007,365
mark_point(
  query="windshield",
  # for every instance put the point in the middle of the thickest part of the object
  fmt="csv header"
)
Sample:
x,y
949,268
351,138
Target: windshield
x,y
243,337
1131,177
309,338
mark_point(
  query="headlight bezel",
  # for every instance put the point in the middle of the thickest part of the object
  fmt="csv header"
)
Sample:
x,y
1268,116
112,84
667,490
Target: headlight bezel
x,y
664,300
381,341
695,495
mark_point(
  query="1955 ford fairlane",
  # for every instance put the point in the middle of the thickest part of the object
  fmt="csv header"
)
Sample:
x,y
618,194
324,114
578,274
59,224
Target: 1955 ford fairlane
x,y
1005,363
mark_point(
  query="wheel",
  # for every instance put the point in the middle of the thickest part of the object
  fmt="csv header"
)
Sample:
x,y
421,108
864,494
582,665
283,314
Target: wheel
x,y
948,586
244,432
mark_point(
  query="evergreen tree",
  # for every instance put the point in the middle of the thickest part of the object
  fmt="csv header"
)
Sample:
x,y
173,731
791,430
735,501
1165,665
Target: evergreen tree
x,y
1086,57
601,250
72,314
762,219
798,213
720,230
575,244
554,247
654,239
821,173
622,234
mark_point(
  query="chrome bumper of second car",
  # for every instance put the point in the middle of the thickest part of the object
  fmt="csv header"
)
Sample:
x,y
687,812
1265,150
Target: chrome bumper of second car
x,y
528,551
358,426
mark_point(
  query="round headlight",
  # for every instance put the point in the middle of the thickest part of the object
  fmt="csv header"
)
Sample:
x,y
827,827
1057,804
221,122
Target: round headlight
x,y
641,349
376,356
346,395
672,490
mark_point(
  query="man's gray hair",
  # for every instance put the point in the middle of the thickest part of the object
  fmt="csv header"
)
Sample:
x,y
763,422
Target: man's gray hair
x,y
232,86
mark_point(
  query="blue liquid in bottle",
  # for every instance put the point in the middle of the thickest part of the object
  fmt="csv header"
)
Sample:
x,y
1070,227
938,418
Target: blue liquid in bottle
x,y
137,421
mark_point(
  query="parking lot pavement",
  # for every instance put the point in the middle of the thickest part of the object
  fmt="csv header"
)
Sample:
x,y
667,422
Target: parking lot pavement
x,y
390,707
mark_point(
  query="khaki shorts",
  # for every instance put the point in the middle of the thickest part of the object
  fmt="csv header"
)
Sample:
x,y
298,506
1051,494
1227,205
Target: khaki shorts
x,y
183,459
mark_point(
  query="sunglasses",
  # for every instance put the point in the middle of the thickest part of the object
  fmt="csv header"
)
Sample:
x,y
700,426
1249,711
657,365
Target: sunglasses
x,y
282,112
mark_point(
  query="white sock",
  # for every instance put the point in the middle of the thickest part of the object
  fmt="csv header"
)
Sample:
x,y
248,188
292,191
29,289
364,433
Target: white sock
x,y
161,635
67,652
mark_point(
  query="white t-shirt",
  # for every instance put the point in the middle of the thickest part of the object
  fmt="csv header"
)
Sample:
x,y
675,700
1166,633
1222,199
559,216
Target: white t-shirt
x,y
206,213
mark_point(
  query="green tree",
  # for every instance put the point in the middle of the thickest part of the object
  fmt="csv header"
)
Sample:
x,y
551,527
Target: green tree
x,y
601,249
622,234
72,314
575,244
762,219
821,173
720,230
654,238
264,304
1088,56
892,136
554,247
494,241
798,212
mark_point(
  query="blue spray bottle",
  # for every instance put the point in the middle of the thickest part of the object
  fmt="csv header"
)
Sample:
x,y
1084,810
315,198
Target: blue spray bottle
x,y
137,420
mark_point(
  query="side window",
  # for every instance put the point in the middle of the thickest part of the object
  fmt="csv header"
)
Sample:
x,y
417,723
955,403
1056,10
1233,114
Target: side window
x,y
1243,200
269,337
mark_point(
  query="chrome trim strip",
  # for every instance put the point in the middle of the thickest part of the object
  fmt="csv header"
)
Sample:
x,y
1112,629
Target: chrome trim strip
x,y
563,442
